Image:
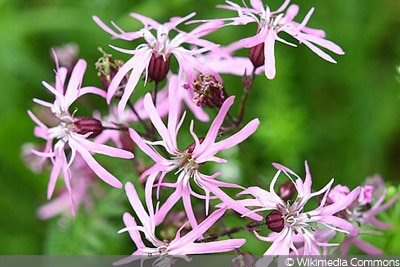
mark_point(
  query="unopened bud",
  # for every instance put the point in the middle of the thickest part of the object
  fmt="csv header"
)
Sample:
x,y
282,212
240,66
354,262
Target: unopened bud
x,y
208,91
158,67
256,55
84,125
287,190
275,221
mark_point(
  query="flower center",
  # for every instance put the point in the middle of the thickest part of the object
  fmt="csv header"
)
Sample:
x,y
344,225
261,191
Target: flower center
x,y
81,125
186,163
268,20
293,216
63,129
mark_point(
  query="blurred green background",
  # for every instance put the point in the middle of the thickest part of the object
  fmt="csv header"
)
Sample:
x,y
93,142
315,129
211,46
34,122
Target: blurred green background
x,y
343,118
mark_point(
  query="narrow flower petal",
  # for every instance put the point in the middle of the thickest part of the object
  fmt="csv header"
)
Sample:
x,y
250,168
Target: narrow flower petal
x,y
231,141
215,126
269,51
135,235
210,247
95,166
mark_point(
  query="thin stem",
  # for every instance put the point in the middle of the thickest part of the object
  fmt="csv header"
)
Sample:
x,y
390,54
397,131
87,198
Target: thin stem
x,y
146,127
232,119
229,232
115,128
252,225
155,91
235,123
247,84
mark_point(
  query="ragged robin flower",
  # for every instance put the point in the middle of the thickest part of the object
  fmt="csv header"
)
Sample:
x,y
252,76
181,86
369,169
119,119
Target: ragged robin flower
x,y
292,226
152,57
186,163
362,213
270,24
71,135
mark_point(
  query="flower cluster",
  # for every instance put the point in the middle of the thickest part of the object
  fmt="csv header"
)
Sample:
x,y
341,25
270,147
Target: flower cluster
x,y
152,124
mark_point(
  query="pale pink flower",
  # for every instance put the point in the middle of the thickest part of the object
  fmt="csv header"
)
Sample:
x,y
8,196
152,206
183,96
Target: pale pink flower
x,y
292,226
187,162
66,201
180,245
65,140
362,212
271,23
153,57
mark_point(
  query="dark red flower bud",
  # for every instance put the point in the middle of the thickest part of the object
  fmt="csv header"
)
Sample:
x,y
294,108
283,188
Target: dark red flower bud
x,y
256,55
158,67
287,190
275,221
84,125
208,91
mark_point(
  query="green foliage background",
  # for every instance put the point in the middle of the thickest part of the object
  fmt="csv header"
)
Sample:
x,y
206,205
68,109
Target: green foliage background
x,y
344,118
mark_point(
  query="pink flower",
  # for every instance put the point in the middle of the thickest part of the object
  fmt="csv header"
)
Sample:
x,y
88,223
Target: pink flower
x,y
65,140
80,183
188,161
180,245
153,57
361,212
292,226
270,24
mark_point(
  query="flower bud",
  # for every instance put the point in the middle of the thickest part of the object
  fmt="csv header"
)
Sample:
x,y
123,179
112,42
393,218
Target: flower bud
x,y
286,190
84,125
256,55
158,67
208,91
275,221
